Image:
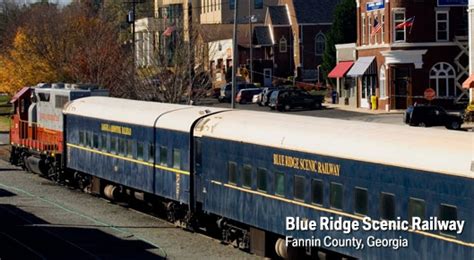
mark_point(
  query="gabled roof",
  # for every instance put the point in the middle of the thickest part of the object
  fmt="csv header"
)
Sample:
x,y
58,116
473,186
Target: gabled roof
x,y
315,11
278,15
262,36
218,32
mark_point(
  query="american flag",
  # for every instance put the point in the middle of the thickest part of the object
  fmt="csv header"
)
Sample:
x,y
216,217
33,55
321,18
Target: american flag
x,y
376,28
169,30
407,23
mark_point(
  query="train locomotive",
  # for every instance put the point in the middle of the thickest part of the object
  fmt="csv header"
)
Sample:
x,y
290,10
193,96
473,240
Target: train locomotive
x,y
243,173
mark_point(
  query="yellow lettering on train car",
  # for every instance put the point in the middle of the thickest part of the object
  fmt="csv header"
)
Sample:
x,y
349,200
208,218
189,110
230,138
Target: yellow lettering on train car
x,y
326,168
116,129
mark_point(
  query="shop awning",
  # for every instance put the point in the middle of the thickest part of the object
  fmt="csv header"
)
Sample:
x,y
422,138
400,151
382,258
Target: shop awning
x,y
341,69
363,65
469,82
19,94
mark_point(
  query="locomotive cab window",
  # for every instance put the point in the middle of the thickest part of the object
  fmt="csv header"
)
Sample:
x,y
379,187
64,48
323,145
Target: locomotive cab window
x,y
336,195
298,188
262,179
247,176
176,159
163,155
387,206
360,201
232,170
416,208
317,191
448,212
280,184
140,151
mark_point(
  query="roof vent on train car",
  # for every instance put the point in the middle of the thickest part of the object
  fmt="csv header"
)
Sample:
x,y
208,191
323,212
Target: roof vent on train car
x,y
57,85
43,85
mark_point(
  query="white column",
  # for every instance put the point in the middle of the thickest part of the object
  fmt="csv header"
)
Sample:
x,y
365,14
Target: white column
x,y
471,46
138,48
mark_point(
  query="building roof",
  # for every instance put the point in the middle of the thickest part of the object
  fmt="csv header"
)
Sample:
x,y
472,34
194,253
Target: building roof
x,y
218,32
278,15
316,11
261,36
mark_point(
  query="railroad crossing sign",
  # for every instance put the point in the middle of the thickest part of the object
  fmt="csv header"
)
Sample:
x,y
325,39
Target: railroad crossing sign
x,y
430,94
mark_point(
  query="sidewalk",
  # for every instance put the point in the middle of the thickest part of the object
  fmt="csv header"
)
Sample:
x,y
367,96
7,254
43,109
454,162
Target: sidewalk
x,y
361,110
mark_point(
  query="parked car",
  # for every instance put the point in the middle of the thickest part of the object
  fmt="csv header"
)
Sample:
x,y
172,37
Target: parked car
x,y
286,99
430,115
226,91
246,95
265,95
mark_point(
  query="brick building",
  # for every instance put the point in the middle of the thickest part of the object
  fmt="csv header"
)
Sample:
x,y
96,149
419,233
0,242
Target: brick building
x,y
398,63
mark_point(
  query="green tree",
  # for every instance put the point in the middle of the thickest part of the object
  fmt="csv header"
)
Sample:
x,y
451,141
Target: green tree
x,y
343,30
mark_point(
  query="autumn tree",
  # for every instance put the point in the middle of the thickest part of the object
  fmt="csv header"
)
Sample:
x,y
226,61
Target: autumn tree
x,y
71,44
343,30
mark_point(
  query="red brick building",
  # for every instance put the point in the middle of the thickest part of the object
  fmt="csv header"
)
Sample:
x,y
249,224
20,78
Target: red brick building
x,y
398,63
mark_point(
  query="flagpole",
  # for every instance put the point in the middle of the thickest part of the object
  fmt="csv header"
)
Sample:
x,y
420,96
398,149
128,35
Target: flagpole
x,y
412,24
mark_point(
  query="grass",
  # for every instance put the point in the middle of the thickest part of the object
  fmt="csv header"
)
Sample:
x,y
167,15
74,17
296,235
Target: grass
x,y
4,123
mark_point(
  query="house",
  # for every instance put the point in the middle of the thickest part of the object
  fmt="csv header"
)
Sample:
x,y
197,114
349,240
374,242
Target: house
x,y
169,28
407,47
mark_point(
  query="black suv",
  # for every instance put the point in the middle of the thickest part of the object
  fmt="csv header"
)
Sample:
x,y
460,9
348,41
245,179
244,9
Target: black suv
x,y
286,99
430,115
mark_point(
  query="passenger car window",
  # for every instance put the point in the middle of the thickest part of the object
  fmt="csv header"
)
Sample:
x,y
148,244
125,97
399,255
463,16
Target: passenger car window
x,y
448,212
88,139
81,138
103,142
130,148
360,201
262,179
416,208
151,153
176,159
280,184
336,195
247,176
299,187
163,155
95,141
113,144
232,172
140,151
387,206
317,191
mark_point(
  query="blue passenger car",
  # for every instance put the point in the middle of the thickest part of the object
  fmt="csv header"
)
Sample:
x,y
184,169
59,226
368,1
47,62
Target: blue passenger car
x,y
270,169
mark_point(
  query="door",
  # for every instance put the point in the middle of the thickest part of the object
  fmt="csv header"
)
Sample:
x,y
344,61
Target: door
x,y
267,77
401,87
368,90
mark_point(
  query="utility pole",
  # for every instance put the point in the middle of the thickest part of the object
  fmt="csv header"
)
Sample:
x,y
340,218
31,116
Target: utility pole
x,y
250,38
131,20
234,57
